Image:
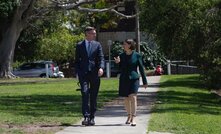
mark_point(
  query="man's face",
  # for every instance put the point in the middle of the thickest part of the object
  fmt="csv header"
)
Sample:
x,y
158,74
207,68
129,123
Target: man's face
x,y
91,35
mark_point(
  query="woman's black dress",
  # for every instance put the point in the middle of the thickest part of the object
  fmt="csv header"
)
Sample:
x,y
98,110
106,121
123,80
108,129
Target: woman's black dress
x,y
127,86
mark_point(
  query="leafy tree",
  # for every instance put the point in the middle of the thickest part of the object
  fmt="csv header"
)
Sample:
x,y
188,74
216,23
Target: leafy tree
x,y
17,15
173,23
59,45
187,30
209,59
28,46
14,17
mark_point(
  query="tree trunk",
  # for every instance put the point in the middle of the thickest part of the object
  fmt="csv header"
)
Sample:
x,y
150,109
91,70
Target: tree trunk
x,y
10,33
7,46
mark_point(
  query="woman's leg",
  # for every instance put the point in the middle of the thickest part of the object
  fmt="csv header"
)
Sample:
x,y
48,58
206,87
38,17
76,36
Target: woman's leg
x,y
133,99
127,104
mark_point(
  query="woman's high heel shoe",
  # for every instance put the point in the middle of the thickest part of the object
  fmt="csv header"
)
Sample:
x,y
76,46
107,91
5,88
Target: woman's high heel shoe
x,y
128,119
133,123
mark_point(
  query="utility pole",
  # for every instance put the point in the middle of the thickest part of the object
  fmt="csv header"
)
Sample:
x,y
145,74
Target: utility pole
x,y
137,26
108,66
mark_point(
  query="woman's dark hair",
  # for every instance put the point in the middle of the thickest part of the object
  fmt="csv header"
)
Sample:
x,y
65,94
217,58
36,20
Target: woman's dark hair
x,y
132,43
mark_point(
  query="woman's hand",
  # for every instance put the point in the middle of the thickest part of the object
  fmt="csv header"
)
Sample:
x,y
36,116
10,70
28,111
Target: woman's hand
x,y
117,59
145,86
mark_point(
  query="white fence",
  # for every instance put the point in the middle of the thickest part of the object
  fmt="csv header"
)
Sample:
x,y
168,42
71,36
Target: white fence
x,y
181,67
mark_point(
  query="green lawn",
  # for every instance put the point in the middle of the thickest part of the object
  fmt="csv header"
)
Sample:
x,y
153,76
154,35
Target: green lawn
x,y
185,107
45,107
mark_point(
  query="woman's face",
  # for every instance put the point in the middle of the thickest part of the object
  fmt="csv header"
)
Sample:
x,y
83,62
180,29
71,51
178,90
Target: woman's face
x,y
126,46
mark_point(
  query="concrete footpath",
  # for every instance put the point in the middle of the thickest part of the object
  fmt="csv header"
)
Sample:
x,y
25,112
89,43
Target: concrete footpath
x,y
111,119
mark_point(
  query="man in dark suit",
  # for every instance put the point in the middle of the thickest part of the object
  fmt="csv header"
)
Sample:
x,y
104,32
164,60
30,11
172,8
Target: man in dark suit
x,y
89,60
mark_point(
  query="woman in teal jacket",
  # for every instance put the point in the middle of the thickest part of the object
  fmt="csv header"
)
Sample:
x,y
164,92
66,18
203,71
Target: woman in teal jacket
x,y
129,78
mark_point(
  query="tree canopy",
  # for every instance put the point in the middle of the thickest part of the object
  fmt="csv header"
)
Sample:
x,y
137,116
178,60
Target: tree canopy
x,y
18,15
187,30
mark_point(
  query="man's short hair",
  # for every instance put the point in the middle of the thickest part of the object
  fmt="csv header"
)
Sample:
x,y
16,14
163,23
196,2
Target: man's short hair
x,y
89,29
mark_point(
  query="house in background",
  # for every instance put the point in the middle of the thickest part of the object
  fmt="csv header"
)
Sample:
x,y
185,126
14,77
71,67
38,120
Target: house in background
x,y
126,28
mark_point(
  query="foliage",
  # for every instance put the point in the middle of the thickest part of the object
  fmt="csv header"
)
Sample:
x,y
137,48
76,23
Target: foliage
x,y
7,6
103,20
210,58
16,64
173,23
26,48
30,44
76,21
151,58
116,49
17,15
187,30
210,61
59,46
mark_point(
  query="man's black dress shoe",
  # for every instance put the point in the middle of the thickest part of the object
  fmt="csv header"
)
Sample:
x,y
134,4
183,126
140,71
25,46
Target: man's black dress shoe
x,y
85,121
92,122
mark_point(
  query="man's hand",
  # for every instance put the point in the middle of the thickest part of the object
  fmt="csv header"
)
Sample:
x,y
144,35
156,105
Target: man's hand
x,y
117,59
100,72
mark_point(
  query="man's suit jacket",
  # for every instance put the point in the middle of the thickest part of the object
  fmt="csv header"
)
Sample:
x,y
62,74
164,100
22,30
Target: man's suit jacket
x,y
92,62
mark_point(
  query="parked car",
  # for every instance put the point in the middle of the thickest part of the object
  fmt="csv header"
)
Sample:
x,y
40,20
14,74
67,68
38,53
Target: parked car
x,y
38,69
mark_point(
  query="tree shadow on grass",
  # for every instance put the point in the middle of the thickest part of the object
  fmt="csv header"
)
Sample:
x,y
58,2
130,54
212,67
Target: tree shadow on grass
x,y
190,81
41,105
48,105
194,100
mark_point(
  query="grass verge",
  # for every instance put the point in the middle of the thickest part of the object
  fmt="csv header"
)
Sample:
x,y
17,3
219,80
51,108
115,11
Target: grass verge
x,y
36,108
185,107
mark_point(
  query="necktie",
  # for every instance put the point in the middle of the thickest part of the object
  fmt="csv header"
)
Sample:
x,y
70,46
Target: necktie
x,y
88,52
88,47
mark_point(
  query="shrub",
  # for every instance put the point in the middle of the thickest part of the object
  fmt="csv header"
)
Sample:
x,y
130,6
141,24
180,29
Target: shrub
x,y
151,58
210,61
